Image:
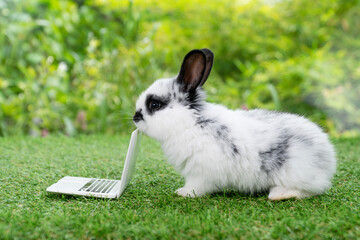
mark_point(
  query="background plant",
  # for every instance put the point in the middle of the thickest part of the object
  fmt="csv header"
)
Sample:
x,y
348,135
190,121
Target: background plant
x,y
78,66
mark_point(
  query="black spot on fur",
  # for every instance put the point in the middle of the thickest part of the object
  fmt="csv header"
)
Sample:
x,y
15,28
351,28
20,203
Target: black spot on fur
x,y
220,133
194,100
202,122
223,133
235,151
223,128
276,155
191,99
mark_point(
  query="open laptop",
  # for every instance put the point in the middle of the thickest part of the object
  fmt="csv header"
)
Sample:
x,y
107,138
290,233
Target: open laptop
x,y
104,188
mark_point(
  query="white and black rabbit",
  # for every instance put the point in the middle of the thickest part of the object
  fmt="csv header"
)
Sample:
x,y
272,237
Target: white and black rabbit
x,y
215,148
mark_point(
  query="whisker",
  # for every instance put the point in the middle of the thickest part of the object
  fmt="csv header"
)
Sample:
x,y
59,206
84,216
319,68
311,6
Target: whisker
x,y
124,111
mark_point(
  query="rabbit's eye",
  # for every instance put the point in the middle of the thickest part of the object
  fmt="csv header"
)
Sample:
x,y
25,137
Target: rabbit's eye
x,y
154,105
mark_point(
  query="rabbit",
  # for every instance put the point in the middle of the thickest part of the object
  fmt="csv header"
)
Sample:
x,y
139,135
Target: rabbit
x,y
216,149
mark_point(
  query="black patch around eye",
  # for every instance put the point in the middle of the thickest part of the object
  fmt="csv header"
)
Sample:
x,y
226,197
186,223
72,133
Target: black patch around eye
x,y
155,103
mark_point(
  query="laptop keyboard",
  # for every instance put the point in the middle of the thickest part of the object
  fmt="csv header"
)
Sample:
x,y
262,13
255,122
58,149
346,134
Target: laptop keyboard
x,y
98,186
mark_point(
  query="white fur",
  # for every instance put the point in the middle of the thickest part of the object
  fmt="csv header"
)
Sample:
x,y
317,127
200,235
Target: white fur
x,y
208,165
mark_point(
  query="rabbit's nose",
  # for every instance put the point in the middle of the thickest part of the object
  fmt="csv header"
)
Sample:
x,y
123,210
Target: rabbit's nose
x,y
138,116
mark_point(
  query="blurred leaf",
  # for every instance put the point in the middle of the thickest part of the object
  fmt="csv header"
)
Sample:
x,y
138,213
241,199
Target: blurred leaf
x,y
69,127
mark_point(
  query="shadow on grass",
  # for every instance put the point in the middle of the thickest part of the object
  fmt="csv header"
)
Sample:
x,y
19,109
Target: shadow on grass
x,y
67,197
236,194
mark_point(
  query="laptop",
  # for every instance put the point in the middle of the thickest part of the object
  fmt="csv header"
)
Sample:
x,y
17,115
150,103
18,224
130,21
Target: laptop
x,y
103,188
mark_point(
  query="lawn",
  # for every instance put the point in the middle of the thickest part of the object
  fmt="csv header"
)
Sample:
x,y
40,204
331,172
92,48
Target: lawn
x,y
149,209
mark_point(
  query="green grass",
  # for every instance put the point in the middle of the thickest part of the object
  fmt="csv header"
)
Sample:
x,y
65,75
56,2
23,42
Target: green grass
x,y
149,209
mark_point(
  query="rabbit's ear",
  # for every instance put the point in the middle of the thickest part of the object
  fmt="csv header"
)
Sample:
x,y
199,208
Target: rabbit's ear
x,y
209,63
192,70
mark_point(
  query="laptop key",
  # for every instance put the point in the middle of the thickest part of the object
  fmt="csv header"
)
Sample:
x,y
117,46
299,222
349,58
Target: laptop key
x,y
109,187
100,186
88,184
94,185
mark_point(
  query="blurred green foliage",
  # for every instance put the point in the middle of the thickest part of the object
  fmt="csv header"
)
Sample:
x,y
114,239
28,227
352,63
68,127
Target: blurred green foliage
x,y
78,66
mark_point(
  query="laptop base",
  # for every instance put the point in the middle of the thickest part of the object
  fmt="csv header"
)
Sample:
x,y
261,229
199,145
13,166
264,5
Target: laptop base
x,y
92,187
